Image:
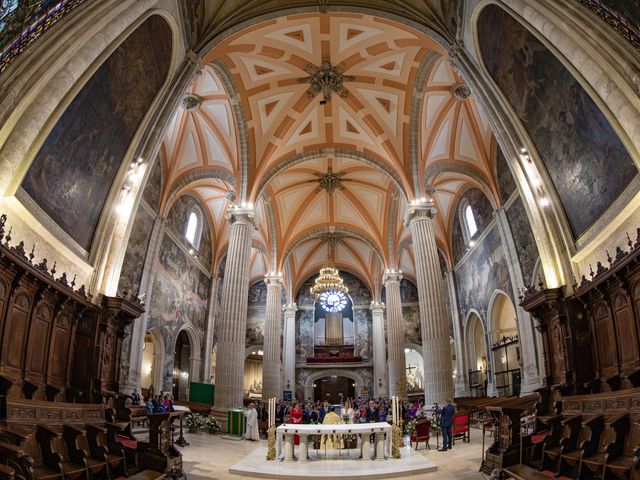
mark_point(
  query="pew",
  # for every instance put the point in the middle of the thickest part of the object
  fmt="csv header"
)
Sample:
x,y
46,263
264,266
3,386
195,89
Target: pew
x,y
7,473
98,448
627,463
28,467
586,444
561,441
609,447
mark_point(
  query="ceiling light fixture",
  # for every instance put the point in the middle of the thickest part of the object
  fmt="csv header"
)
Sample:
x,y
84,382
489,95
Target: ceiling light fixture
x,y
326,79
329,288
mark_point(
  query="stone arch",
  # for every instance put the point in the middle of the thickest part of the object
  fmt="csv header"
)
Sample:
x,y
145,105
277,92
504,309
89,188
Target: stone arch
x,y
476,347
195,360
498,302
158,362
352,374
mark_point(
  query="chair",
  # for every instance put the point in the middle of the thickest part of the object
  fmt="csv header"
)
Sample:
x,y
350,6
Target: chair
x,y
460,428
423,428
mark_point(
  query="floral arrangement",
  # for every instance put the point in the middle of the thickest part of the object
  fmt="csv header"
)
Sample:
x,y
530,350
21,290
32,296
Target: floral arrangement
x,y
410,427
195,420
212,424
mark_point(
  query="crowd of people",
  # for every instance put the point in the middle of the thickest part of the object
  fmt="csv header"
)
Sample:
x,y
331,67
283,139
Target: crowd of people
x,y
357,411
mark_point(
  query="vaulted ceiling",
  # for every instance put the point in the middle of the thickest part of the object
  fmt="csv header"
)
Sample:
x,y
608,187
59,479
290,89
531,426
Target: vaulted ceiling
x,y
346,167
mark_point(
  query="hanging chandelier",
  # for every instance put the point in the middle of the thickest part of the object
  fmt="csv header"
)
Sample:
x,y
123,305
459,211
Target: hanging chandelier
x,y
329,284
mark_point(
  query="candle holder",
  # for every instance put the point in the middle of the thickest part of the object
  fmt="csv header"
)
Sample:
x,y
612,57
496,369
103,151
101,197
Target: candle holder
x,y
271,442
396,440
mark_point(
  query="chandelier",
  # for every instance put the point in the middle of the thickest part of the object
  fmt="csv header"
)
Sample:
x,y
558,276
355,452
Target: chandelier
x,y
326,79
329,280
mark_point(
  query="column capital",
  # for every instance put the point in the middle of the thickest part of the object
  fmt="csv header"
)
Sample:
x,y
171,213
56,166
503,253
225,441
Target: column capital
x,y
290,308
422,209
392,276
241,215
273,279
377,308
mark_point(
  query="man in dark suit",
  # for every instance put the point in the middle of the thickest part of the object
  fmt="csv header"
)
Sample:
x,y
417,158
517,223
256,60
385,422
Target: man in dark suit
x,y
446,420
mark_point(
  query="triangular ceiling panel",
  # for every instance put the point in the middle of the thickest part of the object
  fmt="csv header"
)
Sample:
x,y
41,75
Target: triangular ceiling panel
x,y
385,104
387,65
297,36
351,34
189,155
269,109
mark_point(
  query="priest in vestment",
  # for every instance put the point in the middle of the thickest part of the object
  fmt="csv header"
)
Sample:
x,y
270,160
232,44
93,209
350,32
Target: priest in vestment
x,y
252,432
333,440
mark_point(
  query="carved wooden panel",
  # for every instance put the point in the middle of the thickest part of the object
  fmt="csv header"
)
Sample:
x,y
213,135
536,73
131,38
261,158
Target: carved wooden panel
x,y
558,355
59,346
16,330
6,278
38,344
605,340
627,338
84,349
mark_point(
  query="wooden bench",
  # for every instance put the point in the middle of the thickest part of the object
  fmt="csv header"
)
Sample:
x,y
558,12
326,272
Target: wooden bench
x,y
562,440
587,442
626,459
523,472
147,475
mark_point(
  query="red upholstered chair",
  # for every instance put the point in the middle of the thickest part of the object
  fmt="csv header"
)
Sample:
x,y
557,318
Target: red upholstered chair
x,y
423,428
460,427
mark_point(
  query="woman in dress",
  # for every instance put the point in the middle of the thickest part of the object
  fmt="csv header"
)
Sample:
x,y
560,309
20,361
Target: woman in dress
x,y
348,411
296,418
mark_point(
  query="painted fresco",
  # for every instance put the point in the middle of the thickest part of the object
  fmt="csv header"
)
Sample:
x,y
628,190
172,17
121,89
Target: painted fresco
x,y
483,213
506,183
629,10
411,323
483,271
358,291
134,257
177,222
586,160
304,335
180,289
72,173
256,314
523,238
153,189
442,262
408,291
363,326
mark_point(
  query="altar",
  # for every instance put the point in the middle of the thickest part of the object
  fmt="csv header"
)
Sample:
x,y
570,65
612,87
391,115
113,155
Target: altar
x,y
380,431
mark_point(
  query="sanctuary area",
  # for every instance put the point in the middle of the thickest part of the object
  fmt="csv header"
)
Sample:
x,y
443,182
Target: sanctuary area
x,y
346,238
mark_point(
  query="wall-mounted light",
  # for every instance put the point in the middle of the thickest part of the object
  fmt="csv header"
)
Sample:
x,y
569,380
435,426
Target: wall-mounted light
x,y
544,202
472,243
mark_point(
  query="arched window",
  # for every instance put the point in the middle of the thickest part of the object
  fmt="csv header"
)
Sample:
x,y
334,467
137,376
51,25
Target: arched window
x,y
470,221
192,228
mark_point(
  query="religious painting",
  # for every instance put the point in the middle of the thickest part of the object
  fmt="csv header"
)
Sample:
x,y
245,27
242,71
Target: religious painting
x,y
408,291
71,175
177,222
523,239
256,314
483,214
363,323
586,161
411,324
358,291
304,334
614,11
136,253
483,271
506,183
153,189
180,288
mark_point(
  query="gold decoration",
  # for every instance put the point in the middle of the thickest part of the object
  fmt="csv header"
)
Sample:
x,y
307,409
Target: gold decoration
x,y
271,442
396,441
329,278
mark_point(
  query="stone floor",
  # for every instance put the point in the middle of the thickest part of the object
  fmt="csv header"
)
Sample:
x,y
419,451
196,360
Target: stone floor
x,y
210,456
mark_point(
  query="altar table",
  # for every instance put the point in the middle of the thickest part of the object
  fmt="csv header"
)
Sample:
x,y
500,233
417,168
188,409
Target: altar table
x,y
285,433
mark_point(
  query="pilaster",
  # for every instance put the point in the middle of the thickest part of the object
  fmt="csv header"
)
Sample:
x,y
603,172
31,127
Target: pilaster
x,y
462,366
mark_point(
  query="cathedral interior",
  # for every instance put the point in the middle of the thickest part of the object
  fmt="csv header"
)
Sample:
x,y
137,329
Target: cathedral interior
x,y
230,201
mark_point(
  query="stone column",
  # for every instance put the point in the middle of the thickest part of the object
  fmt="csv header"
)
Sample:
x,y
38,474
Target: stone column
x,y
526,334
436,349
233,310
380,388
210,328
289,350
461,379
395,336
272,364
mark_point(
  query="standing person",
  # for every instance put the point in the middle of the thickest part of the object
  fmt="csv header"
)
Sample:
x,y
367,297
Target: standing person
x,y
446,420
296,418
150,406
252,423
156,404
372,412
169,404
348,410
135,397
323,411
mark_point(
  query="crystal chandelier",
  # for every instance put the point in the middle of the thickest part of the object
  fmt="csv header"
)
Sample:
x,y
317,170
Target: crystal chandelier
x,y
329,279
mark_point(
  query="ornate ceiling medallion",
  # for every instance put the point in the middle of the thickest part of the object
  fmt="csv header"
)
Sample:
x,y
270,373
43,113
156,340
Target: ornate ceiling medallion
x,y
190,101
326,79
461,91
330,181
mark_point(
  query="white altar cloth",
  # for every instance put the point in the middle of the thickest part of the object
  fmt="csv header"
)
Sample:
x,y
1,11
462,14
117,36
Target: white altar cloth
x,y
380,430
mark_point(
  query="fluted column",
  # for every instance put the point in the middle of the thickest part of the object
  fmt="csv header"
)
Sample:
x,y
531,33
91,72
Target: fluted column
x,y
272,365
211,323
436,349
233,311
461,378
395,335
289,350
380,388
